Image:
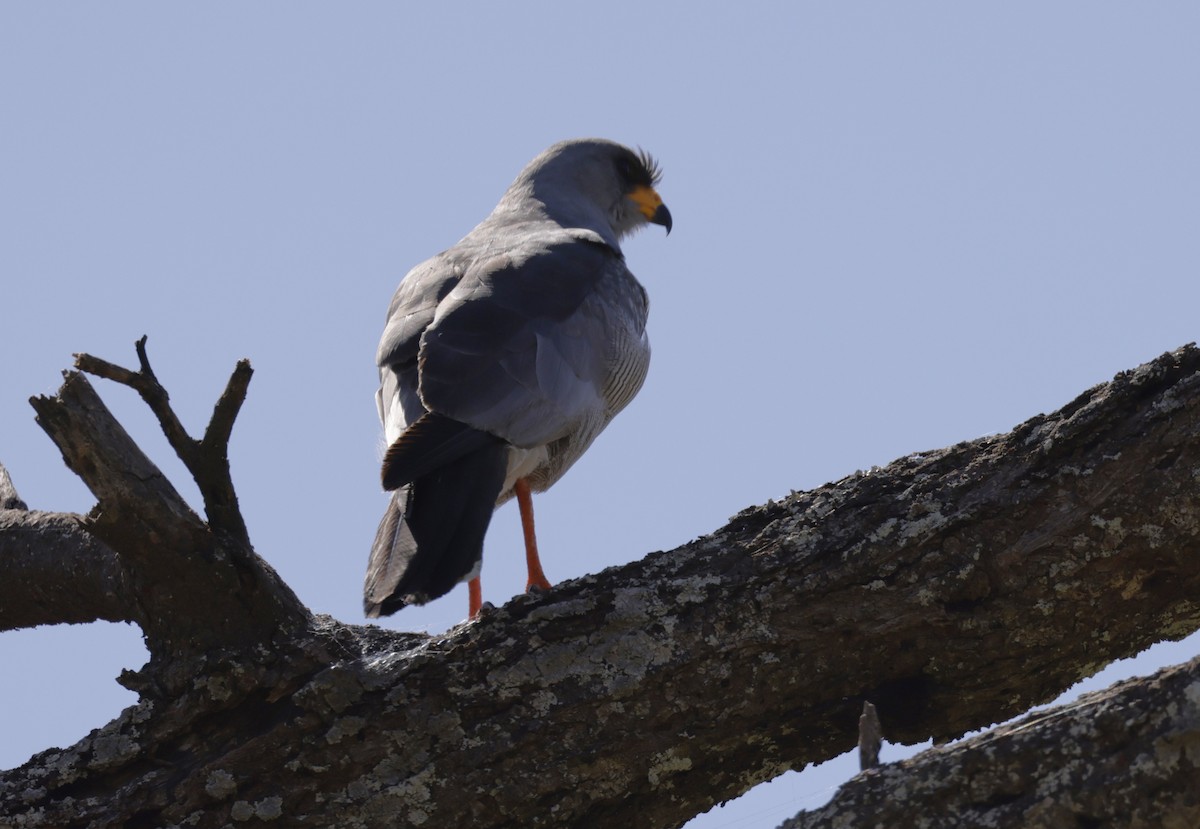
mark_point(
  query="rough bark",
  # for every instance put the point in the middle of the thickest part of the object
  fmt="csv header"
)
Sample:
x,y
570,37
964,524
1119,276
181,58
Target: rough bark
x,y
952,589
1126,756
56,572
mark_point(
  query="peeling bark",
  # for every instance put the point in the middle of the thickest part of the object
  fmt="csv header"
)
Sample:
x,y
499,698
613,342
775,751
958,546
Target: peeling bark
x,y
952,589
1125,756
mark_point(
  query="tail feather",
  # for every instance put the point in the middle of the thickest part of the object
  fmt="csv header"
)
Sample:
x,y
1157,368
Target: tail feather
x,y
429,444
391,552
431,535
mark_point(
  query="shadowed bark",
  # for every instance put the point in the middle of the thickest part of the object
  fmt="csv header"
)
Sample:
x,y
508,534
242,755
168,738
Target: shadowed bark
x,y
56,572
952,589
1125,756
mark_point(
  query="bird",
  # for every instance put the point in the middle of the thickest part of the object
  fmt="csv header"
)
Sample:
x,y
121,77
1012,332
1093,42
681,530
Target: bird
x,y
502,358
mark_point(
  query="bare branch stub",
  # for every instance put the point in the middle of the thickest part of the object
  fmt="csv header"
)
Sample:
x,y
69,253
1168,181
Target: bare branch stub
x,y
109,371
144,361
8,493
220,427
213,474
870,737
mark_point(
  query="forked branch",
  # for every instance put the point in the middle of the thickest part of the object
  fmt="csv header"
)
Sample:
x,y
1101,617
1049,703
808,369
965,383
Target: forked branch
x,y
206,459
195,588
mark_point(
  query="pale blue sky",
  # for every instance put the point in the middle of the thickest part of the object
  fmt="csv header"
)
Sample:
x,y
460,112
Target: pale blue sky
x,y
897,226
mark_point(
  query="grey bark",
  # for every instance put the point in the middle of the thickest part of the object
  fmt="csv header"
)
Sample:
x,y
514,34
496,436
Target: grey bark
x,y
952,589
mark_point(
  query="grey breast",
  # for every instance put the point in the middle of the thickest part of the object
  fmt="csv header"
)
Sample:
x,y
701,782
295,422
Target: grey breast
x,y
619,307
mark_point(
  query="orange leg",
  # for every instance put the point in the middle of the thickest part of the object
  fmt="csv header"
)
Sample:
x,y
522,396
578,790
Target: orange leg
x,y
532,562
474,597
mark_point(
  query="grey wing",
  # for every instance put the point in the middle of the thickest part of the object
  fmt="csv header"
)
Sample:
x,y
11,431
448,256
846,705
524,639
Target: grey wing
x,y
519,348
411,311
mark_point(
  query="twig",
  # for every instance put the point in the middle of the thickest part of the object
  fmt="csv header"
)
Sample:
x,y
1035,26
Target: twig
x,y
147,386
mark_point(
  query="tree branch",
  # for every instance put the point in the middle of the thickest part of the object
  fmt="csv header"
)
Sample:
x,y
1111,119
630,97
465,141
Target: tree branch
x,y
216,436
1125,756
193,591
952,589
56,572
207,460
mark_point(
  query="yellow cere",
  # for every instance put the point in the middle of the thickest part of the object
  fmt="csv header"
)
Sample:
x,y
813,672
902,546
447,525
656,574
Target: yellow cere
x,y
647,200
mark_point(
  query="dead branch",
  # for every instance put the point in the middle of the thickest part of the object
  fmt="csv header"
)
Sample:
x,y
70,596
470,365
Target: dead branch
x,y
207,459
953,589
194,590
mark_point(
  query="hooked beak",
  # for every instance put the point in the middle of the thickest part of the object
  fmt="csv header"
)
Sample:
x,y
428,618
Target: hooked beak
x,y
651,206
